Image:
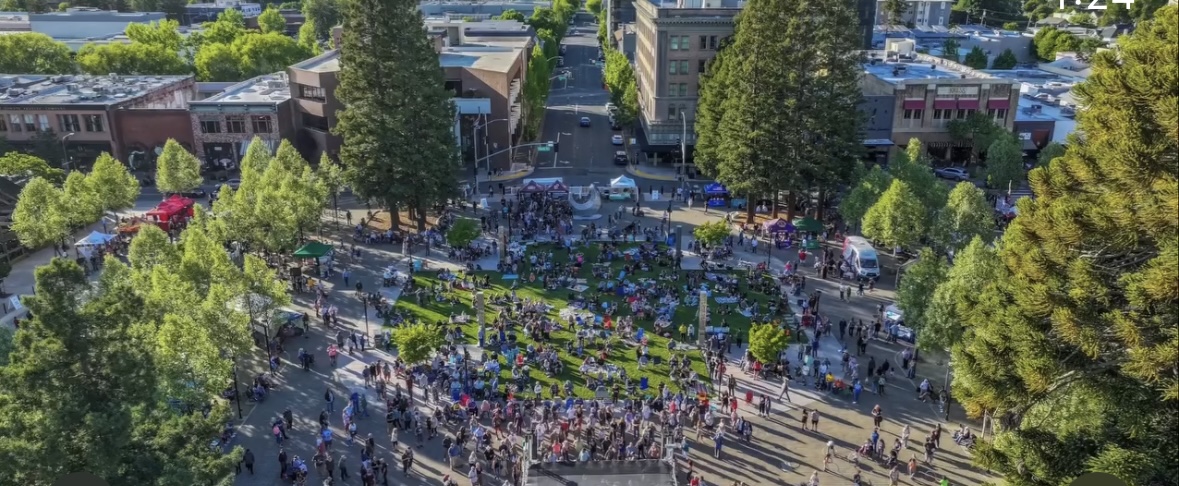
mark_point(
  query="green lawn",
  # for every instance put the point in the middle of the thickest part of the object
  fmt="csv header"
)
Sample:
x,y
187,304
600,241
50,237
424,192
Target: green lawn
x,y
622,356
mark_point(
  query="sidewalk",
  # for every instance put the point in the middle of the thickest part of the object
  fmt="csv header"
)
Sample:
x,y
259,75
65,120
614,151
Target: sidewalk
x,y
22,280
667,174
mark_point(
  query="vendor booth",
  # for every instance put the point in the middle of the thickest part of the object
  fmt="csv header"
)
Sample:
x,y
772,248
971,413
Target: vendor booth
x,y
623,188
530,187
716,195
557,189
171,212
551,186
808,225
894,322
95,238
319,252
777,226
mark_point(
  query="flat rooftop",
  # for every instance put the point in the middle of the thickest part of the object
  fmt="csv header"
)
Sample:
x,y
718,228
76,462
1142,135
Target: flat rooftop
x,y
917,67
698,4
32,89
79,15
324,63
485,58
266,89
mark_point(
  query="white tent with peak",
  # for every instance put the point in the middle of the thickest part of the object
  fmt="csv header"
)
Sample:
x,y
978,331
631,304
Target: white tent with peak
x,y
623,187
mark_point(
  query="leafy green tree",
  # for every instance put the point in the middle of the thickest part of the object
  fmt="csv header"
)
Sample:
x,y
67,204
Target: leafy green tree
x,y
1145,9
1114,14
712,233
715,84
918,282
976,267
325,14
5,345
80,203
767,341
978,129
34,53
1074,353
511,15
267,53
536,90
272,21
230,25
1050,152
218,63
114,185
417,342
1012,26
165,33
548,19
894,11
767,129
38,218
63,6
1082,19
1005,60
976,58
913,167
308,39
331,175
462,233
399,146
619,75
950,50
967,216
594,6
897,219
864,194
177,170
133,58
25,165
1005,163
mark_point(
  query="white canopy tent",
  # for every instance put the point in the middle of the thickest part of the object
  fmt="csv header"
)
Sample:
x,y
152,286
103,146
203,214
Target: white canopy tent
x,y
622,188
95,238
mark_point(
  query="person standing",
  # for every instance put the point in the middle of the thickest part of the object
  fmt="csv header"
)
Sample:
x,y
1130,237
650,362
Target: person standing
x,y
330,398
248,461
815,420
718,442
785,391
282,461
894,476
343,467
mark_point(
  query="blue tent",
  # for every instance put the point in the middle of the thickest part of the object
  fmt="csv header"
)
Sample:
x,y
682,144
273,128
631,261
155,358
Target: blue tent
x,y
715,188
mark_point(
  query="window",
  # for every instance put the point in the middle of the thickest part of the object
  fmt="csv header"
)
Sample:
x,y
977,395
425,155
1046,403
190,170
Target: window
x,y
703,42
69,123
672,111
312,92
683,89
961,114
712,42
16,125
672,67
43,121
3,125
701,66
913,114
235,124
941,114
998,115
683,67
30,123
210,126
675,42
261,124
93,123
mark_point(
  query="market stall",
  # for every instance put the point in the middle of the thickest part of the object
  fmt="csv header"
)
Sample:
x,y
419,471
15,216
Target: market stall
x,y
95,238
530,187
557,189
321,253
717,195
623,188
777,226
808,225
171,212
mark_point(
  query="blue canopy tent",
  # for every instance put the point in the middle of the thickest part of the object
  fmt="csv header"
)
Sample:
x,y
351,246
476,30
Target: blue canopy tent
x,y
715,189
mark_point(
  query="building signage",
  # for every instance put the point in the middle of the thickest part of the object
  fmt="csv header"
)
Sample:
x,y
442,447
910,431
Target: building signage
x,y
947,91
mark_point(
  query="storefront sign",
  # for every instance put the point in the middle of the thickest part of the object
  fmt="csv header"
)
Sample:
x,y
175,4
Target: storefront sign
x,y
947,91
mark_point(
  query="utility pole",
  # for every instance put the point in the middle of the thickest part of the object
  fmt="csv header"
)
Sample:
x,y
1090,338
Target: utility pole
x,y
609,23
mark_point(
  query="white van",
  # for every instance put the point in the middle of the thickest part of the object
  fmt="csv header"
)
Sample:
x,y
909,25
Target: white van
x,y
859,254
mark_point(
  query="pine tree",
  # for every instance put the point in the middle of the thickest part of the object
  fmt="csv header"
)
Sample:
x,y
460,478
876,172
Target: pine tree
x,y
1088,322
398,127
784,110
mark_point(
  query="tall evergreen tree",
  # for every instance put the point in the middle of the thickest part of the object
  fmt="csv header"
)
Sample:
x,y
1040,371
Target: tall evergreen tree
x,y
782,115
1088,322
398,124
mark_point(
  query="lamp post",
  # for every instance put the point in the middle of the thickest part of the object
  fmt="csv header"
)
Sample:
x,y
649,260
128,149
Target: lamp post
x,y
684,147
65,156
483,126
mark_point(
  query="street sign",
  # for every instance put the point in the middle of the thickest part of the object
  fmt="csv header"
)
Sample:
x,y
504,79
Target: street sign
x,y
544,148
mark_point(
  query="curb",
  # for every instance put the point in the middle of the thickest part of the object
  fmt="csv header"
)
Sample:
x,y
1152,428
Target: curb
x,y
646,175
511,176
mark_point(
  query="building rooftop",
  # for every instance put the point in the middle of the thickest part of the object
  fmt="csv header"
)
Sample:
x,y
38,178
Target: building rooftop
x,y
324,63
698,4
267,89
95,15
222,4
484,58
26,89
896,69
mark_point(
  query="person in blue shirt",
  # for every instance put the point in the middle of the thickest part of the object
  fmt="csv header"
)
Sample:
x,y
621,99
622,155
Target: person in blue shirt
x,y
856,389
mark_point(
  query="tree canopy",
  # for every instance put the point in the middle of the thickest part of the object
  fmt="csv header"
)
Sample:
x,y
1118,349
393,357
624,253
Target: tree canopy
x,y
897,219
767,341
712,233
1005,60
778,107
1005,163
919,281
417,342
976,58
25,165
399,146
1074,354
966,216
177,169
866,191
34,53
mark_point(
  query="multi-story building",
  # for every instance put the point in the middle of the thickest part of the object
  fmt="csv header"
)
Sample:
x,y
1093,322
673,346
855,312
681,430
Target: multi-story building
x,y
928,92
223,125
458,10
674,42
484,65
196,13
88,115
921,13
313,86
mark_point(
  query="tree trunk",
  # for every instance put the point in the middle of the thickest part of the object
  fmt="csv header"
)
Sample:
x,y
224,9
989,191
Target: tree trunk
x,y
790,205
394,217
775,206
750,215
821,210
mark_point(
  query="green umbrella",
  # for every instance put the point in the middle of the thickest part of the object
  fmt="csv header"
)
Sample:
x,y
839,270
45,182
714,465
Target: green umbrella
x,y
812,245
808,225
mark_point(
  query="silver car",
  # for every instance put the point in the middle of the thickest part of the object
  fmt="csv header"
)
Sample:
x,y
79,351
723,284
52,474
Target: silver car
x,y
952,173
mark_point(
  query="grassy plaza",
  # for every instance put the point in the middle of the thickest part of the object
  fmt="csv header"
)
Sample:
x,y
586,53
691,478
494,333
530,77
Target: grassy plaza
x,y
528,285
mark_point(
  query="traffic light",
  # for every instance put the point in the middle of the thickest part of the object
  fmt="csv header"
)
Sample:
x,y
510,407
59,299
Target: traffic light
x,y
556,146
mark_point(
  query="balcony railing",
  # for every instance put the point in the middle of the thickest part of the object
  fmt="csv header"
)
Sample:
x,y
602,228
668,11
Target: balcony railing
x,y
514,114
514,91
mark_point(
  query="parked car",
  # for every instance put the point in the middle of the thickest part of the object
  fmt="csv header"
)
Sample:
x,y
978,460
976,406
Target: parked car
x,y
585,121
193,194
952,173
620,158
616,139
614,124
611,109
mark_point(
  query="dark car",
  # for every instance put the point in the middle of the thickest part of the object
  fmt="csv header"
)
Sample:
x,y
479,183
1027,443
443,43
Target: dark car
x,y
193,194
620,158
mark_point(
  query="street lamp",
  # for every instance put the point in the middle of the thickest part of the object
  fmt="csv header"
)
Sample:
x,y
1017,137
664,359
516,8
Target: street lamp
x,y
477,127
684,147
65,156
